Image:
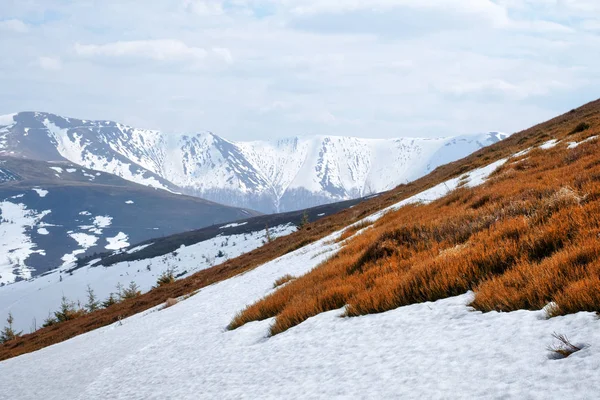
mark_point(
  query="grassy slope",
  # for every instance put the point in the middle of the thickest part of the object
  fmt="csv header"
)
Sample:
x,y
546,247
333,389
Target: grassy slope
x,y
528,237
531,137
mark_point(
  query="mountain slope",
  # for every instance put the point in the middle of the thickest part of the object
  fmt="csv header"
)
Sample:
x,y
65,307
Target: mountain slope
x,y
539,135
433,346
288,174
183,254
52,213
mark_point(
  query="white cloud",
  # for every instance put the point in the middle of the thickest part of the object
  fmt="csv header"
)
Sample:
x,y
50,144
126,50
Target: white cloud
x,y
158,50
204,7
272,68
481,8
13,25
223,53
50,63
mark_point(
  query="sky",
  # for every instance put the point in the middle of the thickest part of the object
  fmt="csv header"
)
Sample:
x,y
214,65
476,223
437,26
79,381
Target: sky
x,y
249,69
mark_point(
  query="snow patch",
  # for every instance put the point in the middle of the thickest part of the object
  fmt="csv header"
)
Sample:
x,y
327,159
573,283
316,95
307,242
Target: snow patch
x,y
118,242
15,243
549,144
57,169
233,225
573,145
129,202
138,248
8,119
40,192
102,221
84,240
43,231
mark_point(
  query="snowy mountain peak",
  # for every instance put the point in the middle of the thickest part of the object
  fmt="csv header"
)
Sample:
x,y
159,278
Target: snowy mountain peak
x,y
284,174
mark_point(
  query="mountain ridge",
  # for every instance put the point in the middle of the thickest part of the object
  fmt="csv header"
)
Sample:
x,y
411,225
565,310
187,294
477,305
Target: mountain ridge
x,y
270,176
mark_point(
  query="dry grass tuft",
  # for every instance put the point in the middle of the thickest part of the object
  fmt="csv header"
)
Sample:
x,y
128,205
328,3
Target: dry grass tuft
x,y
352,229
563,348
283,280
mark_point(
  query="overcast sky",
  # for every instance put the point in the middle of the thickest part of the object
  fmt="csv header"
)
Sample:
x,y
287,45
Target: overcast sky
x,y
248,69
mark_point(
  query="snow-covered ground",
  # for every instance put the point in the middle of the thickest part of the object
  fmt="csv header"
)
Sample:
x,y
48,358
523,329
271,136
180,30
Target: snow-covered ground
x,y
17,223
429,350
15,244
31,301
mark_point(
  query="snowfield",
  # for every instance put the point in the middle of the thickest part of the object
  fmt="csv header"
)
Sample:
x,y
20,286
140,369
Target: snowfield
x,y
31,301
15,244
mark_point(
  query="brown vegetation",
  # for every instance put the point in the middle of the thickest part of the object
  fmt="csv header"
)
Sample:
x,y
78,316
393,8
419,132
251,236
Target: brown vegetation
x,y
563,348
283,280
528,237
447,237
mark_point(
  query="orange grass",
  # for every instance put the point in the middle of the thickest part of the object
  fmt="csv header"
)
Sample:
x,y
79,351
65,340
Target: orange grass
x,y
528,237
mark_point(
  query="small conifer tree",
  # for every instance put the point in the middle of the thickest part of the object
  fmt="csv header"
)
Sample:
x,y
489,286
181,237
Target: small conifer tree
x,y
267,233
92,302
305,221
9,333
109,301
67,311
166,277
133,290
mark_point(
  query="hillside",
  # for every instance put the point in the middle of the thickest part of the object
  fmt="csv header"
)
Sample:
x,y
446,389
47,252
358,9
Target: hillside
x,y
418,276
54,212
181,254
269,176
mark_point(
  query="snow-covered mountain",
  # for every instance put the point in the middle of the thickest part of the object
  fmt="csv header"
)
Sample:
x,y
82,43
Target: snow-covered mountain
x,y
268,176
52,213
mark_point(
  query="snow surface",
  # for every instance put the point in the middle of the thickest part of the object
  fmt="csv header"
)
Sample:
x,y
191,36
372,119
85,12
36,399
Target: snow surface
x,y
138,248
102,221
73,148
34,299
118,242
84,240
57,169
549,144
7,119
233,225
15,243
430,350
40,192
129,202
573,145
43,231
